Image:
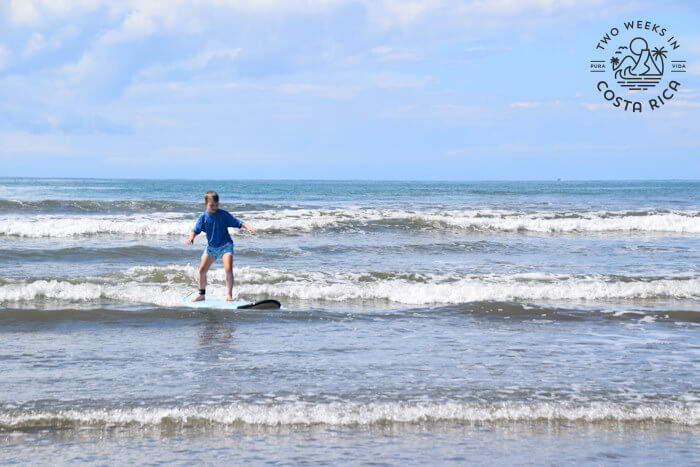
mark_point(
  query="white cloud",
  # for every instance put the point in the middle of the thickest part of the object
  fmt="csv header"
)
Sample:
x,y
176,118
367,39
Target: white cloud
x,y
203,59
32,11
183,89
515,149
683,103
387,53
345,86
80,69
517,6
335,92
23,11
594,107
23,142
191,64
389,13
138,19
136,25
688,94
526,105
185,154
451,115
143,18
35,44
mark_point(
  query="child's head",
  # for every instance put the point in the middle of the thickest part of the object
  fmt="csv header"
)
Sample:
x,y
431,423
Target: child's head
x,y
211,201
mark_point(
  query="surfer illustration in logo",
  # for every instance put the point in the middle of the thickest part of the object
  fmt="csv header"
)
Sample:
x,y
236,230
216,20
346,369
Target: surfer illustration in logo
x,y
641,69
637,66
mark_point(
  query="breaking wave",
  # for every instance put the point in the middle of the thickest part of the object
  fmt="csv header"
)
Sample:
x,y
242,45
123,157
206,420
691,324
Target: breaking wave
x,y
343,414
98,207
310,220
165,286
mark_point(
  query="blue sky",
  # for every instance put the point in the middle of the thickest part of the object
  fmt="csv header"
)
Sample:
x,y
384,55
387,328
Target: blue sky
x,y
335,89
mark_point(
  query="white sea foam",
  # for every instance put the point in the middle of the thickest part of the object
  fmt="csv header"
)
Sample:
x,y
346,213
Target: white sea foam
x,y
307,220
352,414
547,222
166,285
90,291
70,226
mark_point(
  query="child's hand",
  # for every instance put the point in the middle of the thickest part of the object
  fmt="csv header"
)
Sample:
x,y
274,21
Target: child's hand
x,y
189,241
249,228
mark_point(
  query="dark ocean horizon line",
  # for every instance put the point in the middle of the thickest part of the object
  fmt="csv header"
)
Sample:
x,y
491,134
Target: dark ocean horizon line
x,y
399,180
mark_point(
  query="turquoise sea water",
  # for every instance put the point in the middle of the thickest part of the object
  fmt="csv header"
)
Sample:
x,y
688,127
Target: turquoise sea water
x,y
422,322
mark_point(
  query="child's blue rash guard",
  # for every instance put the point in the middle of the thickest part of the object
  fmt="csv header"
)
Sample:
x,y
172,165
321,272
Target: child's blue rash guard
x,y
216,226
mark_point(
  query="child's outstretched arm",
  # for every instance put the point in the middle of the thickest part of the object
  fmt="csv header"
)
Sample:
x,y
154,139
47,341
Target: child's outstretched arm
x,y
198,227
249,228
191,239
237,223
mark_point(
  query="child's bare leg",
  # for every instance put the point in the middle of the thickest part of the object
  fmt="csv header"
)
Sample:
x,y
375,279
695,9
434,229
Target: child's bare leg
x,y
228,267
207,261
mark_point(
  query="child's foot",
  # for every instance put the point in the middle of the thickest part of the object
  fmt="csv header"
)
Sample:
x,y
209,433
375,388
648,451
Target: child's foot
x,y
229,298
198,298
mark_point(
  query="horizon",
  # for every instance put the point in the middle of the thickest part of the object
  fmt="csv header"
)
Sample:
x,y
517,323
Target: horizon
x,y
355,179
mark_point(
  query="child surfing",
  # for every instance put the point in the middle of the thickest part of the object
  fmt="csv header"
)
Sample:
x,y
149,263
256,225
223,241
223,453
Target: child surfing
x,y
215,222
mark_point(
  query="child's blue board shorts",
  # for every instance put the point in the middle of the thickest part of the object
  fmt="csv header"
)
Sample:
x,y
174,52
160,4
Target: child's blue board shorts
x,y
219,251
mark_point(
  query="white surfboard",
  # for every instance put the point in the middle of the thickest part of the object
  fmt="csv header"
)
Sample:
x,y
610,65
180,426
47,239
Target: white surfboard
x,y
233,305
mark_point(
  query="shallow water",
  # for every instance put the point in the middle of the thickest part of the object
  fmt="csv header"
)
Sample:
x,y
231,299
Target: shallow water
x,y
523,322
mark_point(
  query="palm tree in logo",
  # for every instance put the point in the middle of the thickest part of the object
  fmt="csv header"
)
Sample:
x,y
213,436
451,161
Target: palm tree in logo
x,y
614,62
659,53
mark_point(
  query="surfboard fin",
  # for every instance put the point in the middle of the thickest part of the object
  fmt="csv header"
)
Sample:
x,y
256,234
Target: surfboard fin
x,y
262,305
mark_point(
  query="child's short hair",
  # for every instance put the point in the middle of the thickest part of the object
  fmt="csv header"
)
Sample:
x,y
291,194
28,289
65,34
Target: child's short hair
x,y
211,196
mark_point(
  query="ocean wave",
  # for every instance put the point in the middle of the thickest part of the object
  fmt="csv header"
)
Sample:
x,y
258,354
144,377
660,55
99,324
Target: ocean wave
x,y
158,224
311,220
166,285
344,414
86,206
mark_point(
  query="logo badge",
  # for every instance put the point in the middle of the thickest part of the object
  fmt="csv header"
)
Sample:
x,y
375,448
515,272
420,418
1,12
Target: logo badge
x,y
638,66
